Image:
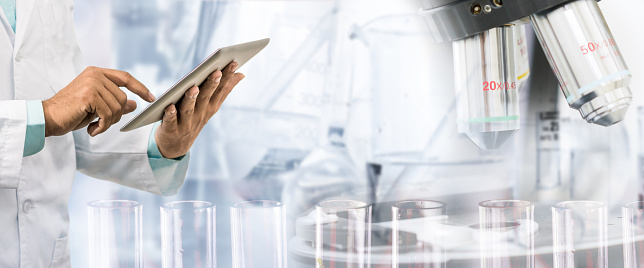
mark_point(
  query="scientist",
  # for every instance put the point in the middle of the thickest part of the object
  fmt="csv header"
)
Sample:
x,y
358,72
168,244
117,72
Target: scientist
x,y
47,107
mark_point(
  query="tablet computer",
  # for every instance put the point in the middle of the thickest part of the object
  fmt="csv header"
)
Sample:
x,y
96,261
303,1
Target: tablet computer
x,y
240,53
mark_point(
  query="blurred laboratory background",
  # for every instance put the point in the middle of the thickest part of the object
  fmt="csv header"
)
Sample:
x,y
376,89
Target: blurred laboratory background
x,y
354,100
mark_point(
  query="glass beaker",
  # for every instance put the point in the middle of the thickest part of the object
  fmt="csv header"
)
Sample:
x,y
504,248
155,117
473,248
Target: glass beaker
x,y
258,234
417,234
506,229
343,234
579,234
188,234
115,234
409,98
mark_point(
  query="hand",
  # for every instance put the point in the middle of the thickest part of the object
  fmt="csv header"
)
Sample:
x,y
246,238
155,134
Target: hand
x,y
94,93
178,131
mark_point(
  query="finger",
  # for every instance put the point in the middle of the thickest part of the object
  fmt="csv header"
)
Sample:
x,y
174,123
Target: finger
x,y
127,106
170,118
207,89
112,103
115,90
104,118
187,105
124,79
229,88
228,73
88,119
130,106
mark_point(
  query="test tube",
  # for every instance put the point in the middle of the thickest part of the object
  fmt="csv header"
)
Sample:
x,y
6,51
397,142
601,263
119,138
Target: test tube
x,y
633,231
584,55
343,234
579,234
417,234
188,234
506,229
486,86
258,234
115,234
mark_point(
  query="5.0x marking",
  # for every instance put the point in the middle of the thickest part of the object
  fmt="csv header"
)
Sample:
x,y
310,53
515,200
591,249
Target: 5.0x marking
x,y
491,85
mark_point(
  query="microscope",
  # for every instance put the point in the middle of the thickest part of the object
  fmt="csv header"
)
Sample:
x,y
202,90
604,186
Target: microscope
x,y
576,41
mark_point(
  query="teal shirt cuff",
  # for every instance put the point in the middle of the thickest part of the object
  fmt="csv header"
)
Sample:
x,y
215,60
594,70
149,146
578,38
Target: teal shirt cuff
x,y
35,135
153,149
169,173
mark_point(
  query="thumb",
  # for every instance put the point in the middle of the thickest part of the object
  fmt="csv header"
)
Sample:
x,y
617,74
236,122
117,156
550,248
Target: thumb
x,y
130,106
86,121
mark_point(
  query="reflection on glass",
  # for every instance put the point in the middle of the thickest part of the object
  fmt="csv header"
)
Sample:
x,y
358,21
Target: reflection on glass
x,y
633,230
188,234
114,233
417,234
343,234
579,234
258,234
506,229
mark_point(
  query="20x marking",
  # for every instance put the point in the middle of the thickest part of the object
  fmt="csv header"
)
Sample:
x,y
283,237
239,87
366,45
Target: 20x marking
x,y
594,46
498,86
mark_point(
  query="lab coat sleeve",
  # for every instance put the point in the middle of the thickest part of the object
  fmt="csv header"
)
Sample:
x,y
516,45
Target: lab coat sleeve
x,y
13,127
122,157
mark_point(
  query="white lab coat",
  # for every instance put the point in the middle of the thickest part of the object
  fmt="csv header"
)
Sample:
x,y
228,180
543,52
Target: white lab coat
x,y
40,59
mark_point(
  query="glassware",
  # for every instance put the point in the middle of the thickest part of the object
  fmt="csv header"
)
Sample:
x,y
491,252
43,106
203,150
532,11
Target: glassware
x,y
343,234
327,171
584,55
413,106
633,230
188,234
258,234
487,87
417,234
115,234
579,234
506,229
409,98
